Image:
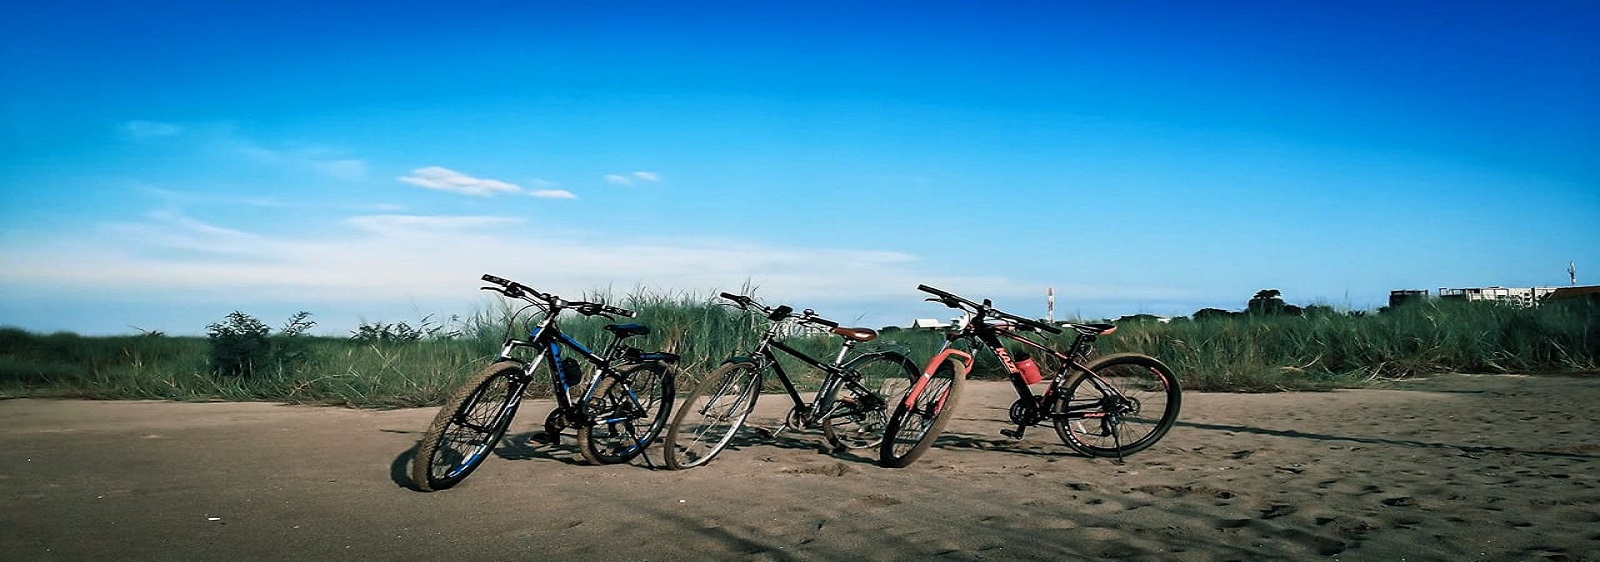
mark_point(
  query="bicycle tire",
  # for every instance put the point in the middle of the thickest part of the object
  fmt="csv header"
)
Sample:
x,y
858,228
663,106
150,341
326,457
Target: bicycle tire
x,y
1099,423
858,421
468,427
628,411
712,414
918,421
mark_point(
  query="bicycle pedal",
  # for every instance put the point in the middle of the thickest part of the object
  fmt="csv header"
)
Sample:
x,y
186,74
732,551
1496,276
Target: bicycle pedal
x,y
1013,433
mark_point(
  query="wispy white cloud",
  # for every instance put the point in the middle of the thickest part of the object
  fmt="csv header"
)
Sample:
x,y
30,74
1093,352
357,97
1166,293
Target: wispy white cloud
x,y
630,179
223,141
445,179
344,169
408,258
552,194
426,223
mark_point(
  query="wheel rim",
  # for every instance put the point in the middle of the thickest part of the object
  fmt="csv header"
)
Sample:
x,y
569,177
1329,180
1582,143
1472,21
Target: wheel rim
x,y
921,415
717,415
627,415
859,421
1128,419
473,431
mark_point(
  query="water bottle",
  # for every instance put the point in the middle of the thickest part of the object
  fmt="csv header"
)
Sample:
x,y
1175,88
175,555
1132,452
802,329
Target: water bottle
x,y
1029,369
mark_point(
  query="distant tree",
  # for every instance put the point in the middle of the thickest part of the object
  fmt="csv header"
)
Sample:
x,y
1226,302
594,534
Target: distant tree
x,y
1138,318
888,329
1266,302
1209,313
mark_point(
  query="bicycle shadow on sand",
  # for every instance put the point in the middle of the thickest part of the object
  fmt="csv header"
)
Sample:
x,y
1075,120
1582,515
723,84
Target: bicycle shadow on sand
x,y
512,447
1411,443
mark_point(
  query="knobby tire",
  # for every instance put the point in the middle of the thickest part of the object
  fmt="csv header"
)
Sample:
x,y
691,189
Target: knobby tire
x,y
913,428
1136,412
627,413
468,427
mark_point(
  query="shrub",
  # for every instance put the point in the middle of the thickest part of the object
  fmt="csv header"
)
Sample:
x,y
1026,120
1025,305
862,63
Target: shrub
x,y
242,346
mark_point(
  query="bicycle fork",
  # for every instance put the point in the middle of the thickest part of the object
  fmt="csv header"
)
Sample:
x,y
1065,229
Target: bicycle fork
x,y
961,364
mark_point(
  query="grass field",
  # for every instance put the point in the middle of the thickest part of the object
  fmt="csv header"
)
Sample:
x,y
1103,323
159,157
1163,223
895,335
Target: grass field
x,y
1244,353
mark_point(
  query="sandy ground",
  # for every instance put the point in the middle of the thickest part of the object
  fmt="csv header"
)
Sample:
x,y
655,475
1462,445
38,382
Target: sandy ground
x,y
1450,468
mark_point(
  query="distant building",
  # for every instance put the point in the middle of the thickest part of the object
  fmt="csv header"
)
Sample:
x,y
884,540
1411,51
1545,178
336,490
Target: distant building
x,y
1519,296
1398,297
927,324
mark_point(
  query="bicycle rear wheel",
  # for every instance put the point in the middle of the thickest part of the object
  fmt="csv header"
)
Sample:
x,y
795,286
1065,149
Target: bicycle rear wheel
x,y
857,419
918,420
1123,405
468,427
628,412
711,415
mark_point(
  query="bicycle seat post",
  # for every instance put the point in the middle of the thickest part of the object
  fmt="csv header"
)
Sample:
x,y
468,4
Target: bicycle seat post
x,y
844,349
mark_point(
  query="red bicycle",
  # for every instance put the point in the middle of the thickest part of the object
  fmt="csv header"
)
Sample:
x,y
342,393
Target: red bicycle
x,y
1110,406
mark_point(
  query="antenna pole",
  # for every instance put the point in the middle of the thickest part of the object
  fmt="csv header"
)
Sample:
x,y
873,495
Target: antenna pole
x,y
1050,304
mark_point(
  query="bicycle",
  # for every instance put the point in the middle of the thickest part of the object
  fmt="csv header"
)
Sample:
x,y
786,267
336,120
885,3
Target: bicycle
x,y
1110,406
617,413
849,406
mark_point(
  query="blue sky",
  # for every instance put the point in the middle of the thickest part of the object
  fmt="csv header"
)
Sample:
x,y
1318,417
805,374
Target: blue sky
x,y
166,163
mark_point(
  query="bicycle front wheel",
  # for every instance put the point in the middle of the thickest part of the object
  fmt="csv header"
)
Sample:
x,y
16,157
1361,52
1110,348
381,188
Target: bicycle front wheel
x,y
1122,405
468,427
711,415
857,419
626,413
920,416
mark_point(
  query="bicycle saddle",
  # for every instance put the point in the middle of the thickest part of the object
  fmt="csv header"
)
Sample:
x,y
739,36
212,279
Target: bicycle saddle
x,y
857,334
1094,329
625,330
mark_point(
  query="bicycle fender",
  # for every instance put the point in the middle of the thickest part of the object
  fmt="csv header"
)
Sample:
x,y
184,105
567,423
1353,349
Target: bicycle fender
x,y
961,360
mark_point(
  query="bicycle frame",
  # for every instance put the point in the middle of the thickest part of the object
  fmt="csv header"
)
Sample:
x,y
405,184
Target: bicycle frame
x,y
547,341
975,325
834,370
990,336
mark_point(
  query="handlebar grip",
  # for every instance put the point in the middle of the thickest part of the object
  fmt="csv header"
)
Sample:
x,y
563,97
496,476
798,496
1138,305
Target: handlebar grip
x,y
823,321
731,296
946,297
501,281
623,312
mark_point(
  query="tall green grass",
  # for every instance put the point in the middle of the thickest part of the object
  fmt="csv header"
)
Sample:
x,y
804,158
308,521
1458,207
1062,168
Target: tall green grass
x,y
1265,353
1244,353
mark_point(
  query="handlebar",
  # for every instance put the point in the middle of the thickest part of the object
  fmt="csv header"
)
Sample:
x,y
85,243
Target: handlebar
x,y
953,300
781,312
517,290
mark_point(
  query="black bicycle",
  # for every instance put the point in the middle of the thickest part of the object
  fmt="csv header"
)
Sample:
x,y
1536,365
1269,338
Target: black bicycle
x,y
617,413
850,405
1108,406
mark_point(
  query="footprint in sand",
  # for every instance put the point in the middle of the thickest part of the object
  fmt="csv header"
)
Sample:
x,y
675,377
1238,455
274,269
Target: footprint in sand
x,y
1402,501
1278,510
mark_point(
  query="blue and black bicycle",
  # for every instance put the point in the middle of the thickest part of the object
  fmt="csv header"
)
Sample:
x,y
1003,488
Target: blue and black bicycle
x,y
617,413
